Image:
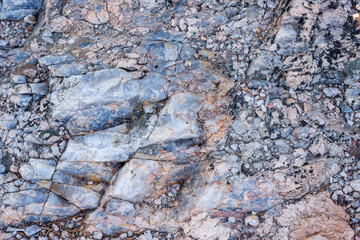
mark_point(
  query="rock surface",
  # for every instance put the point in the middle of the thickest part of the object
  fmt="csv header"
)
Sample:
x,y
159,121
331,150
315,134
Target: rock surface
x,y
184,119
16,10
315,217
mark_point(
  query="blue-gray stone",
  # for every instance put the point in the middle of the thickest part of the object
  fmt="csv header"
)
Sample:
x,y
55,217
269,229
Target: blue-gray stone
x,y
18,79
23,100
39,88
2,168
17,10
57,207
52,60
37,169
67,70
82,197
331,92
31,230
23,198
105,98
89,171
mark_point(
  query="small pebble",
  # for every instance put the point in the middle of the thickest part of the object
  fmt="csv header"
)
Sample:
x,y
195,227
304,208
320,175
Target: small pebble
x,y
30,19
252,220
123,236
232,220
97,235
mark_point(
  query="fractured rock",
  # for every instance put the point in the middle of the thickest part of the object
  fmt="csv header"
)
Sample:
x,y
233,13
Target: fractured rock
x,y
56,208
105,98
110,145
81,197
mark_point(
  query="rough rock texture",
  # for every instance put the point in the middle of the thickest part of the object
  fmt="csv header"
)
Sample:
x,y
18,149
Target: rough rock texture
x,y
179,119
314,217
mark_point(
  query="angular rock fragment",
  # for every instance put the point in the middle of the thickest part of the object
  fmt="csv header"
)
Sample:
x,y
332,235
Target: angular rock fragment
x,y
286,34
180,151
52,60
87,171
240,196
37,169
81,197
56,208
31,230
67,70
355,185
39,88
132,184
118,216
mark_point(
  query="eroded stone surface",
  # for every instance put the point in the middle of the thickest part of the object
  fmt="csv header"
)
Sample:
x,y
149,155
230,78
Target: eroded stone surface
x,y
315,217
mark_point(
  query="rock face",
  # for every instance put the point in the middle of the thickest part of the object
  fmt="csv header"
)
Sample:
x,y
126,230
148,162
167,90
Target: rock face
x,y
184,119
315,217
105,98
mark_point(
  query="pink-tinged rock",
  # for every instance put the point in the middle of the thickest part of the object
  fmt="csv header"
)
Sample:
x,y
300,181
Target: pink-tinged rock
x,y
296,182
60,24
100,17
315,217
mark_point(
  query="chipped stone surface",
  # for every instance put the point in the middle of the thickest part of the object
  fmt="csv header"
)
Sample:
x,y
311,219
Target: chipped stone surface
x,y
184,119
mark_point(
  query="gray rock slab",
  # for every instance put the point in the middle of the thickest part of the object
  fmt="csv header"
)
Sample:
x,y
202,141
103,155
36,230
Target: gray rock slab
x,y
115,217
52,59
105,98
133,183
67,70
91,171
109,145
31,230
178,120
23,198
355,185
331,92
37,169
57,207
18,9
81,197
138,179
39,88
